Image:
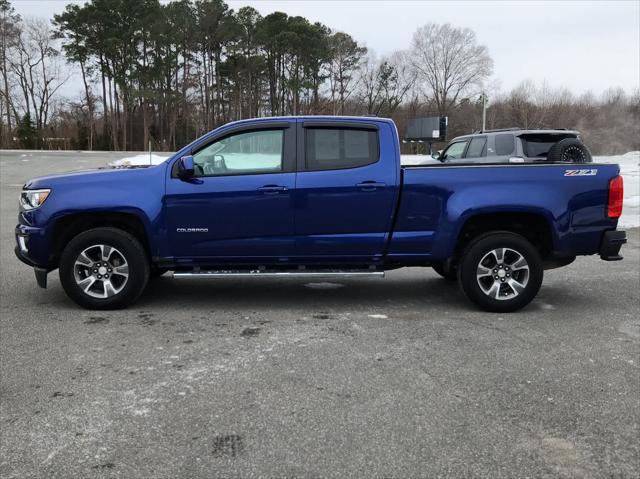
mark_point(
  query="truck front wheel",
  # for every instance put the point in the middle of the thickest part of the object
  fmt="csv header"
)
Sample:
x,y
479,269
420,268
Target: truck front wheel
x,y
104,268
500,272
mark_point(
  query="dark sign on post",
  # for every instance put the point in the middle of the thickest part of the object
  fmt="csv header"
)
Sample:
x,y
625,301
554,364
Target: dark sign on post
x,y
428,130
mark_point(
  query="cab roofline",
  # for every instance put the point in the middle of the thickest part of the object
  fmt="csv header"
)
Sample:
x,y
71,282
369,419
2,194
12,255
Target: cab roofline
x,y
308,117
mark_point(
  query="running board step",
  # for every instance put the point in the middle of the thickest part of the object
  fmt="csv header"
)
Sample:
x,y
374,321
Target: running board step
x,y
281,274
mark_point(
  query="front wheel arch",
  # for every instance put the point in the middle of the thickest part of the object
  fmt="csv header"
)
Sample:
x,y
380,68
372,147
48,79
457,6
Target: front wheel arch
x,y
69,226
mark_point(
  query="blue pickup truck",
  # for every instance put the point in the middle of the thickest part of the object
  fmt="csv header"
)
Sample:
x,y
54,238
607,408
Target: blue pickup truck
x,y
316,196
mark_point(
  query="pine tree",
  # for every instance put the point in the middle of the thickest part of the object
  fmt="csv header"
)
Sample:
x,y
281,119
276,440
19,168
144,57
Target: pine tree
x,y
27,133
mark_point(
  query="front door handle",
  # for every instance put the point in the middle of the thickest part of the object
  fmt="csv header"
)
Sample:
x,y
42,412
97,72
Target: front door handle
x,y
272,189
370,185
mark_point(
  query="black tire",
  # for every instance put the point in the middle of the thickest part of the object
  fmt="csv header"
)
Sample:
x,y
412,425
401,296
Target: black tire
x,y
155,272
126,247
569,150
446,273
480,250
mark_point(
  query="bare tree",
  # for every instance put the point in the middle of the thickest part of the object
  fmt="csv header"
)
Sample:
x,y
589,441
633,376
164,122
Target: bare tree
x,y
385,83
37,66
370,82
448,62
9,34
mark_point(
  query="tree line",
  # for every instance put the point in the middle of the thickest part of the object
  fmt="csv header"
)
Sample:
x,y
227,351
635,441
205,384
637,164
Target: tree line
x,y
161,74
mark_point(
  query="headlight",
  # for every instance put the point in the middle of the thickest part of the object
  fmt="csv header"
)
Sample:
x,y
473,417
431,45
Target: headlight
x,y
32,199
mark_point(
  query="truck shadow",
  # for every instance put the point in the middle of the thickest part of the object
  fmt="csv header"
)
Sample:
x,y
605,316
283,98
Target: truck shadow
x,y
281,294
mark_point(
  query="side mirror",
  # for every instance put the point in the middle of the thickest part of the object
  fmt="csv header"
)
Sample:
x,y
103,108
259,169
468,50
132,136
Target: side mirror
x,y
186,169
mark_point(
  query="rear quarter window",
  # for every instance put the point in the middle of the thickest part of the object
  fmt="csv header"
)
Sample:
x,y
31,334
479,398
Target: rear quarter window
x,y
505,144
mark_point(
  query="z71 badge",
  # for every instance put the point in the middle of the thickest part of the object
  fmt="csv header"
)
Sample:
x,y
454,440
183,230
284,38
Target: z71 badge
x,y
591,172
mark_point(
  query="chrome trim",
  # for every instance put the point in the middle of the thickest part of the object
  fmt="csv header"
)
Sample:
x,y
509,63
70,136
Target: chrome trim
x,y
22,243
285,274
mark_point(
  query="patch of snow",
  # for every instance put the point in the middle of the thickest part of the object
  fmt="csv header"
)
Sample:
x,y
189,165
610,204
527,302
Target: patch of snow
x,y
630,171
413,160
142,159
257,161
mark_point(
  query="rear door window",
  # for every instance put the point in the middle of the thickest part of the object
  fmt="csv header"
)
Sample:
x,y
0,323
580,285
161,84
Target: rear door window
x,y
477,148
337,148
505,144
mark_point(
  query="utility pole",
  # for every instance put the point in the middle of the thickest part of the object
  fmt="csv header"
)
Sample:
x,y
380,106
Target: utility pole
x,y
484,111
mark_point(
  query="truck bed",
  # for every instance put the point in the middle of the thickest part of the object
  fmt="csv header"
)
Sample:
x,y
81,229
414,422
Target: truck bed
x,y
437,200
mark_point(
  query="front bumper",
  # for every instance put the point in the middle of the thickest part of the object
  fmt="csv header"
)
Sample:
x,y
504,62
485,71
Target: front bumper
x,y
30,250
41,273
611,243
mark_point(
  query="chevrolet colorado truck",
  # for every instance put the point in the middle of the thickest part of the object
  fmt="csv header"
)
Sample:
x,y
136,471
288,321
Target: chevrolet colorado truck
x,y
316,196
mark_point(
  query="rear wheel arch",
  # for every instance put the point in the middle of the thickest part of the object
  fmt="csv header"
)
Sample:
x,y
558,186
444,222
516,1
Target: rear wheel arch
x,y
535,227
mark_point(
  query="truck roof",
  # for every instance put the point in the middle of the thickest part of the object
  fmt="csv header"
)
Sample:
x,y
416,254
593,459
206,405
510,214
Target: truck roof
x,y
312,117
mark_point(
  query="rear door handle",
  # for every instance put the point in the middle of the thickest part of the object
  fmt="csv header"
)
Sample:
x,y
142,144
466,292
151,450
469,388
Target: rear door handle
x,y
272,189
370,185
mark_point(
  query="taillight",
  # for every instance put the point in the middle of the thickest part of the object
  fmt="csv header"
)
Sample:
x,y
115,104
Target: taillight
x,y
616,194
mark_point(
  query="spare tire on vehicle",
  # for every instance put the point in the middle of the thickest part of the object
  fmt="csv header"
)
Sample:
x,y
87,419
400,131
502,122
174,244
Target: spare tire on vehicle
x,y
569,150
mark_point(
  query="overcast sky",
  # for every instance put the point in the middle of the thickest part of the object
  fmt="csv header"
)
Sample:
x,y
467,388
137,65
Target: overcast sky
x,y
583,45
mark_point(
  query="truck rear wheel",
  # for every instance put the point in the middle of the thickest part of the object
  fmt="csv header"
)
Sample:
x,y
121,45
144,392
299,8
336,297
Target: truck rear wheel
x,y
104,268
500,272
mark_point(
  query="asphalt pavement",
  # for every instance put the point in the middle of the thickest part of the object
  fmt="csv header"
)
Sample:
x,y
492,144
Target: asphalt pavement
x,y
398,377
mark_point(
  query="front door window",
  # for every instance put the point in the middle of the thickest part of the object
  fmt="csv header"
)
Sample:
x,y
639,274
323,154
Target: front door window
x,y
455,151
242,154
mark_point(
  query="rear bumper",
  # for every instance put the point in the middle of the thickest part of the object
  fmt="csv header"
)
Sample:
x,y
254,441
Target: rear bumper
x,y
611,243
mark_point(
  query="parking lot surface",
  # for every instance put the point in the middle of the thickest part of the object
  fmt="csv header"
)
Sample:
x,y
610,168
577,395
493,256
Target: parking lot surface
x,y
398,377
